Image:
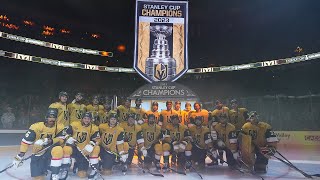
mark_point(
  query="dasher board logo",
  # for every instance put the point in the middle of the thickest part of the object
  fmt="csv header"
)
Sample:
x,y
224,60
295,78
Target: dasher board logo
x,y
161,44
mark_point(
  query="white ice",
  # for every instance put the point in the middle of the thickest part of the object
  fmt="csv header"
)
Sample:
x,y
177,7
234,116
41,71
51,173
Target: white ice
x,y
307,159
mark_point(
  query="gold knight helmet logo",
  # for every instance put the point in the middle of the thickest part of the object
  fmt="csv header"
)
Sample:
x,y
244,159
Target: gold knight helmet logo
x,y
160,71
82,136
107,138
150,136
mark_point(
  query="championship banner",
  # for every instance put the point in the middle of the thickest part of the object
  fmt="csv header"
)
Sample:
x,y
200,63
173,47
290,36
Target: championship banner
x,y
161,44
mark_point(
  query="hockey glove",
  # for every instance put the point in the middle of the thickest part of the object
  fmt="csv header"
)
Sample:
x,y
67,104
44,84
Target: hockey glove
x,y
71,141
144,151
17,161
88,148
123,157
267,151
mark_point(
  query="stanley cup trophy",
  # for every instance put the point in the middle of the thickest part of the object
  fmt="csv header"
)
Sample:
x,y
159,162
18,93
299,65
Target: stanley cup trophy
x,y
160,66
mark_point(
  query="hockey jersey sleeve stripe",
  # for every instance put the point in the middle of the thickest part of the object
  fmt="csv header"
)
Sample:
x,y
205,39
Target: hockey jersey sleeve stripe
x,y
207,141
26,142
272,139
233,141
120,142
140,141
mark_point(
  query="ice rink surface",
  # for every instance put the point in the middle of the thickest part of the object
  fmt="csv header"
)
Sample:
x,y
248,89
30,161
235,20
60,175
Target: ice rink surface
x,y
305,158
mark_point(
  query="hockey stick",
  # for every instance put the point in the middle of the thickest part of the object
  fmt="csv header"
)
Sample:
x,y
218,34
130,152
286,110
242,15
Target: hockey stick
x,y
92,166
148,170
176,171
251,171
197,172
24,159
317,175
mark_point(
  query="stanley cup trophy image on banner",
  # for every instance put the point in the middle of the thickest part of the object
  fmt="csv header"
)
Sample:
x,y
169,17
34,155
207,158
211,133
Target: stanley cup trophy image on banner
x,y
161,40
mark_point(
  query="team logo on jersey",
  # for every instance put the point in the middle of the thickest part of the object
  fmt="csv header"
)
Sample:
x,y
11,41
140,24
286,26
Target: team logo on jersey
x,y
81,136
79,114
150,136
65,115
107,138
128,136
198,136
176,136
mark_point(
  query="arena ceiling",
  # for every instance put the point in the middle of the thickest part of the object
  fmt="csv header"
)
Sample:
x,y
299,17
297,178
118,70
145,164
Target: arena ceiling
x,y
220,32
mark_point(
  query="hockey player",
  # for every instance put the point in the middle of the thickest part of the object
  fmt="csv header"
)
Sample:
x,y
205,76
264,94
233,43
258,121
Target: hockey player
x,y
166,114
84,136
177,108
61,106
214,117
201,141
185,115
76,108
42,135
198,111
152,134
96,109
258,141
179,137
133,135
238,116
140,112
224,137
124,110
154,111
112,143
219,109
108,105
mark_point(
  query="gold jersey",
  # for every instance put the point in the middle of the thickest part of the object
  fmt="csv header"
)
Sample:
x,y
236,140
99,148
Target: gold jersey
x,y
203,113
112,138
217,112
155,113
238,117
123,111
176,133
40,131
140,113
84,134
185,117
151,134
133,135
201,136
165,115
227,133
261,133
97,112
63,113
76,111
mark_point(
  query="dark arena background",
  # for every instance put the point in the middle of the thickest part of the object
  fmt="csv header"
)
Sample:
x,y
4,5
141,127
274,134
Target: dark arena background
x,y
281,37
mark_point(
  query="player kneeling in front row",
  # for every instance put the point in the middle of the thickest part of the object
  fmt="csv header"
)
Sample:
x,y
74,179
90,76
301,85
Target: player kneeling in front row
x,y
83,144
43,135
152,134
112,143
179,137
258,143
224,138
201,141
133,136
